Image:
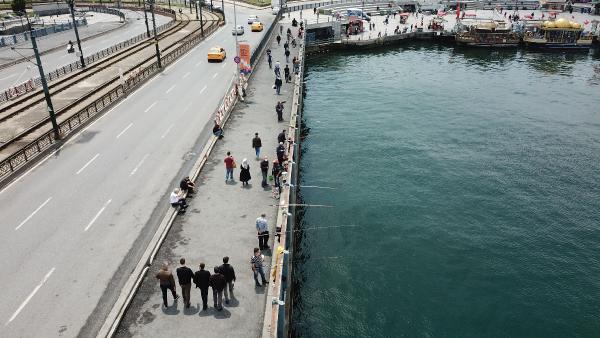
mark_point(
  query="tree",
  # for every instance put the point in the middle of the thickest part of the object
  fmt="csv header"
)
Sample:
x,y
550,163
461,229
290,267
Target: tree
x,y
18,6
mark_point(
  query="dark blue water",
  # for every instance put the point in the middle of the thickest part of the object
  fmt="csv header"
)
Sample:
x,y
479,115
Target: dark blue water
x,y
467,200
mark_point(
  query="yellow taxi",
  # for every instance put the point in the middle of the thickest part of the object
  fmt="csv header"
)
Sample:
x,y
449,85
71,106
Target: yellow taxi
x,y
216,54
257,26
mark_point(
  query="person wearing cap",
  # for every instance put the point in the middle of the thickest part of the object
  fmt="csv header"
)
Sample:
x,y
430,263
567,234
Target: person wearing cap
x,y
264,169
177,200
217,282
256,144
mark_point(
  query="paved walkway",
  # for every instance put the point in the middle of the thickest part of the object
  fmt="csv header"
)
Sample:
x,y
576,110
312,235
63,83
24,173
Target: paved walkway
x,y
220,222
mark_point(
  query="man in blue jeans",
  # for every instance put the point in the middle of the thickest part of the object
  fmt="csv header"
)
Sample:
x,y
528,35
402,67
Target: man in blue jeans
x,y
229,165
256,144
257,267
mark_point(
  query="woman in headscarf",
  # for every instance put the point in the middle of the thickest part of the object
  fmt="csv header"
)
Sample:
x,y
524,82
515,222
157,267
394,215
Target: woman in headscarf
x,y
245,172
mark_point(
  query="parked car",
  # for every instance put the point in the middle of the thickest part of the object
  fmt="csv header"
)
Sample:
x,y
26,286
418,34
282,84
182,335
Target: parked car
x,y
216,54
252,19
257,26
239,30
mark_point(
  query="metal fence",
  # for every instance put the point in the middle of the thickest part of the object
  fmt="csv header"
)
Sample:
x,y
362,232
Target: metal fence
x,y
134,79
51,29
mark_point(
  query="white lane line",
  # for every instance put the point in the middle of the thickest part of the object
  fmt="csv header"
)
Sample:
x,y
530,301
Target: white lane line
x,y
33,213
198,64
8,77
170,88
215,75
186,75
224,64
138,165
88,163
166,132
150,107
124,130
37,288
202,90
97,215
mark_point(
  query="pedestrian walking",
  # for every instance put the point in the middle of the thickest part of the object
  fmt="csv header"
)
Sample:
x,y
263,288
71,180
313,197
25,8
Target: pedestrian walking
x,y
286,72
217,282
262,230
281,137
280,153
229,166
229,273
287,56
278,84
269,58
315,10
278,40
178,201
167,282
257,267
277,69
280,29
296,65
184,276
276,172
286,45
264,169
279,110
256,144
202,281
245,173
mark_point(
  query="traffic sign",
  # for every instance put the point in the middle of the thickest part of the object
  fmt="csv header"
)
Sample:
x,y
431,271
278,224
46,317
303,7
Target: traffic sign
x,y
236,59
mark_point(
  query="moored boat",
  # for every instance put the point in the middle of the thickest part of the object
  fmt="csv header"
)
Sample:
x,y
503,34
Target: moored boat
x,y
559,34
488,34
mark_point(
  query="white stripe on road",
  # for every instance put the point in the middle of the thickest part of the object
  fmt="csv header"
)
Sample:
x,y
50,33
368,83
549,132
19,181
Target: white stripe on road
x,y
215,75
124,130
97,215
33,213
202,90
198,64
148,109
186,75
37,288
139,165
170,88
224,64
166,132
85,166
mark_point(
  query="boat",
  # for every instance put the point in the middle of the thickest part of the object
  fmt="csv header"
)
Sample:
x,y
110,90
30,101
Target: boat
x,y
557,34
488,34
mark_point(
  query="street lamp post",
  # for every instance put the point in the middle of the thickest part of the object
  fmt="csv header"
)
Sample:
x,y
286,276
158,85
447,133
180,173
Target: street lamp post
x,y
223,8
196,8
44,83
146,19
201,22
151,2
72,7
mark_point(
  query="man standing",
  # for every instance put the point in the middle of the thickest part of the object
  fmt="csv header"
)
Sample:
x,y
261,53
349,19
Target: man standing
x,y
279,110
257,267
167,282
269,58
184,275
256,144
217,282
280,153
277,69
229,165
281,137
201,279
287,56
229,273
278,83
262,229
264,169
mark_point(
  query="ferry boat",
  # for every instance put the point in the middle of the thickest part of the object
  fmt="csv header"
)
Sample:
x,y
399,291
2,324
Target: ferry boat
x,y
488,34
559,34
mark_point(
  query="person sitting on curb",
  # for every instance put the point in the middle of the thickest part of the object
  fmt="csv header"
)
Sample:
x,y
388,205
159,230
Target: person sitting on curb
x,y
186,185
177,200
218,131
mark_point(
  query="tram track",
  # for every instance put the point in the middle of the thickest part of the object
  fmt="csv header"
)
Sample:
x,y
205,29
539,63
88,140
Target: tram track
x,y
28,103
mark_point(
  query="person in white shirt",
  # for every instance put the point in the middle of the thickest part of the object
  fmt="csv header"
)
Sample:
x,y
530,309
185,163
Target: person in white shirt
x,y
177,200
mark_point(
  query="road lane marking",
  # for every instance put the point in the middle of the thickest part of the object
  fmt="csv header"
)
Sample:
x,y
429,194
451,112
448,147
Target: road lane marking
x,y
148,109
166,132
33,213
138,165
202,90
224,64
8,77
37,288
215,75
186,75
198,64
124,130
88,163
97,215
170,88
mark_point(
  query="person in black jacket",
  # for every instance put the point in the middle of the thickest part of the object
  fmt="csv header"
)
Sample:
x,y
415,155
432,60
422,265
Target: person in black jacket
x,y
217,282
281,136
256,144
264,169
201,279
184,275
280,153
229,273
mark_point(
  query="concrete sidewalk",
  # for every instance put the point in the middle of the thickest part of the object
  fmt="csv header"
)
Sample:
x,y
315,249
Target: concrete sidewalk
x,y
221,222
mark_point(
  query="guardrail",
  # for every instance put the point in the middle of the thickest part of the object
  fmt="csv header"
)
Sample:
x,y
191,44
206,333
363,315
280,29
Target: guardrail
x,y
16,38
106,10
34,84
134,79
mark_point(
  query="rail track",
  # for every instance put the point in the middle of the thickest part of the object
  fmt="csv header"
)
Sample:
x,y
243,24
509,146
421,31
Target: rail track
x,y
26,104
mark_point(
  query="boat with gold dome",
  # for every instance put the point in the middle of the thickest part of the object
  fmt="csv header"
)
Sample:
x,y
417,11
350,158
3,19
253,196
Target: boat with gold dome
x,y
488,34
557,34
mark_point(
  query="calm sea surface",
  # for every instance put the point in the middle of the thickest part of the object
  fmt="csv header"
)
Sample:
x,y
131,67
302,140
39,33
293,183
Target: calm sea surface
x,y
467,195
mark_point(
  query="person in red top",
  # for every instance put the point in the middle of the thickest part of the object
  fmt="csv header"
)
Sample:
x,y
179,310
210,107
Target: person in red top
x,y
229,165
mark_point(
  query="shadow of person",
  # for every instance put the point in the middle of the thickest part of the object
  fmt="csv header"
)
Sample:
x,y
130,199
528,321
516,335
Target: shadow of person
x,y
192,310
223,314
260,289
233,302
248,185
232,182
171,310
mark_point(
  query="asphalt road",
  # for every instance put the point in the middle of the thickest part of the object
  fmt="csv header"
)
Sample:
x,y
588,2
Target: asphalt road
x,y
75,226
24,71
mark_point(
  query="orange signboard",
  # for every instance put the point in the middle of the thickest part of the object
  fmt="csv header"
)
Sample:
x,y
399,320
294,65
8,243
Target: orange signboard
x,y
245,66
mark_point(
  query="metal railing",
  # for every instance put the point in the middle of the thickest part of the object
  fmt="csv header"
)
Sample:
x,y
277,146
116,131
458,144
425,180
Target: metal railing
x,y
14,39
134,79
